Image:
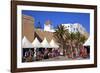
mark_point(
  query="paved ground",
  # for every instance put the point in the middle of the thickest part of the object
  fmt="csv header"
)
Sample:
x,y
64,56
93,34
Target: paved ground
x,y
61,58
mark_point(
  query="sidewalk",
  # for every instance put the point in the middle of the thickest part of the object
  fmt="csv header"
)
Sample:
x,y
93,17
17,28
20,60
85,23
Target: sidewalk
x,y
61,58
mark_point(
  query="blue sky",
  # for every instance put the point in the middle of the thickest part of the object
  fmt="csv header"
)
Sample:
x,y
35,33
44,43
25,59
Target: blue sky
x,y
58,18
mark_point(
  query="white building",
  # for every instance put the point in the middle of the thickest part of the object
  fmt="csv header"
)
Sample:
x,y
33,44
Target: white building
x,y
48,26
76,27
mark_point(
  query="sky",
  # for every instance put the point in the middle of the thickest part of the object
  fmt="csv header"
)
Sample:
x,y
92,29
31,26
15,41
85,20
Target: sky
x,y
58,18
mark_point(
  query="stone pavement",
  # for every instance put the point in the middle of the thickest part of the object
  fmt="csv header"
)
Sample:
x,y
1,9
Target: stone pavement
x,y
61,58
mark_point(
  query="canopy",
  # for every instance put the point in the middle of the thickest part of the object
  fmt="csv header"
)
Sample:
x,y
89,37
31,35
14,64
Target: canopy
x,y
45,44
26,43
87,43
53,44
36,43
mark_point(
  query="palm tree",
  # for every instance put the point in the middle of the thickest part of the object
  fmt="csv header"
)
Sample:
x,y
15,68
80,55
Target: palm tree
x,y
61,35
72,39
83,39
72,36
80,38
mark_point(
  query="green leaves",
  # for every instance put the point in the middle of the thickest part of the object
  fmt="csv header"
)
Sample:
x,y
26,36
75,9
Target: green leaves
x,y
61,34
66,38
